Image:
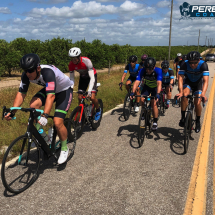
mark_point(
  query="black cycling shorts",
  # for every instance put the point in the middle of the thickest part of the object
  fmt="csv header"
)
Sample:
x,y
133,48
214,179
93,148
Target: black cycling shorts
x,y
146,91
63,101
83,84
195,87
131,78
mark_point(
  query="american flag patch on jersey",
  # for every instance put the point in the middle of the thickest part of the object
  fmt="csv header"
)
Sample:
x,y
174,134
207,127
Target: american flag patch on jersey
x,y
50,86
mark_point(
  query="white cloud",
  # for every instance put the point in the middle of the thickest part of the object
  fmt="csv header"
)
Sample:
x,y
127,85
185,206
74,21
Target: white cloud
x,y
5,10
164,3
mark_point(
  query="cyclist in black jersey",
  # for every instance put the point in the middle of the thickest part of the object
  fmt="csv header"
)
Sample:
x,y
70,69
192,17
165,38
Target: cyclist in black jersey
x,y
57,88
143,59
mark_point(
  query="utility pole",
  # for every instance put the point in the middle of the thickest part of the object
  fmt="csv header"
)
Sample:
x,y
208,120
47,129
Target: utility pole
x,y
170,30
198,39
205,42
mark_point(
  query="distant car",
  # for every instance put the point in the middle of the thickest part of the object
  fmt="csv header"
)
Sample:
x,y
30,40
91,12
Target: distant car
x,y
210,57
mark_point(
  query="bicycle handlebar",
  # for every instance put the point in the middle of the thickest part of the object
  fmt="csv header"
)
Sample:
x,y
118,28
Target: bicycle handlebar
x,y
8,110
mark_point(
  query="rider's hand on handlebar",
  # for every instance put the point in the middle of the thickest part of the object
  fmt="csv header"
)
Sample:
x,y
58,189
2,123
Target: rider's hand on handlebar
x,y
120,85
179,95
132,95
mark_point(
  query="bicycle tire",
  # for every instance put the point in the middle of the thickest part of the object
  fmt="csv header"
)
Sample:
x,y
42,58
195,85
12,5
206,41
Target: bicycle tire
x,y
187,131
127,107
75,124
142,127
96,124
15,181
149,119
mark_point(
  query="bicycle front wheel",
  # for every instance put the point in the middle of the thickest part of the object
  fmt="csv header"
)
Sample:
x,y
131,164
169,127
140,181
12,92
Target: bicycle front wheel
x,y
127,107
187,131
142,127
20,164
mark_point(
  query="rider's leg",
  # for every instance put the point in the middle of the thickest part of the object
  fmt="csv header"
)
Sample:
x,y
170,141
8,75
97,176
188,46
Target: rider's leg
x,y
198,109
94,100
127,84
155,114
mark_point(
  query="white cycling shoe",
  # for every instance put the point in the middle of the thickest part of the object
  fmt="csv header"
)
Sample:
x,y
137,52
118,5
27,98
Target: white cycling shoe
x,y
63,156
136,109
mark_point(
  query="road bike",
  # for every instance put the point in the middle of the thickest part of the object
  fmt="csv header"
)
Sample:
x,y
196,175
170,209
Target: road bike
x,y
145,119
128,104
189,121
22,158
85,114
163,102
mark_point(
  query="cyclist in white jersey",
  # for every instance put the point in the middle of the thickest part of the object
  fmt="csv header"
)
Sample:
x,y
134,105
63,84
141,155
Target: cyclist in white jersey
x,y
57,88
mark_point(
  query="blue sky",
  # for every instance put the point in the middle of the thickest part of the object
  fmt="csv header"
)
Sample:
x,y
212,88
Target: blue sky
x,y
134,22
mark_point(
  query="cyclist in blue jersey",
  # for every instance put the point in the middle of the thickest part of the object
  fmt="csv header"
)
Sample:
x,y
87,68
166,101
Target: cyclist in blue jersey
x,y
193,76
168,80
152,85
176,64
133,68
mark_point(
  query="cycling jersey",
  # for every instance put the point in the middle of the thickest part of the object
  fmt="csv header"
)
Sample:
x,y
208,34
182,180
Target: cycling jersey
x,y
177,61
86,70
51,78
133,72
141,64
194,75
150,79
167,76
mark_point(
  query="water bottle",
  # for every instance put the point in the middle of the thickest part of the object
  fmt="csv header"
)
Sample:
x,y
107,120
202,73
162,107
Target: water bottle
x,y
45,136
50,133
89,110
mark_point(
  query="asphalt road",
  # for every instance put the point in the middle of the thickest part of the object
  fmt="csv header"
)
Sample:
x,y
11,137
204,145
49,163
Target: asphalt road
x,y
108,175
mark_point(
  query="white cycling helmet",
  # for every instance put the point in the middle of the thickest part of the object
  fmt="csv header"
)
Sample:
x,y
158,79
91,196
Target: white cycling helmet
x,y
179,54
74,52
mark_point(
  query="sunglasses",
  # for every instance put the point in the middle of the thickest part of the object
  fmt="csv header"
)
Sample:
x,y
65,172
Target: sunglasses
x,y
132,61
193,62
30,71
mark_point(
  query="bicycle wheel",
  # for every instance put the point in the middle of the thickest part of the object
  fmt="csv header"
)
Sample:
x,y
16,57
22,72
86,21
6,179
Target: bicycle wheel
x,y
77,122
149,119
187,131
127,107
20,164
142,127
95,124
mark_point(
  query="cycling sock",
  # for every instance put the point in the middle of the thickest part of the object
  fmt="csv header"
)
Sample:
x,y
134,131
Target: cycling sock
x,y
155,120
197,118
63,145
182,114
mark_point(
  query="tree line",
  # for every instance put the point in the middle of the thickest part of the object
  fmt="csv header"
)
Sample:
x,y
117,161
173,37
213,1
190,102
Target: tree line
x,y
55,52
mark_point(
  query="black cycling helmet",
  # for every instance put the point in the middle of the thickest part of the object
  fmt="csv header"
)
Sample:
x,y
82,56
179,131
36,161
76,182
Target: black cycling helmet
x,y
184,57
133,58
150,63
165,64
30,62
194,55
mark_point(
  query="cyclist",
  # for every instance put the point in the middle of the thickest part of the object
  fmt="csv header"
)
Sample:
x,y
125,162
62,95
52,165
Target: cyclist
x,y
152,85
176,65
143,59
196,74
56,88
133,67
168,80
88,76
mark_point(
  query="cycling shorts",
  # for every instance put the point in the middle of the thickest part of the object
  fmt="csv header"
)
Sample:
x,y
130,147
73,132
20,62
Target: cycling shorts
x,y
146,91
196,87
131,78
63,101
83,85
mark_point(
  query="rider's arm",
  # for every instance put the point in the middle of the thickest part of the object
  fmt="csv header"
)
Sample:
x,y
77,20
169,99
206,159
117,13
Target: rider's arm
x,y
171,73
50,79
181,74
136,84
72,78
138,79
205,74
159,79
125,73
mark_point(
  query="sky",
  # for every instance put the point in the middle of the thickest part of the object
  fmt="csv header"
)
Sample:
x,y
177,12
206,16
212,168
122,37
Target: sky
x,y
133,22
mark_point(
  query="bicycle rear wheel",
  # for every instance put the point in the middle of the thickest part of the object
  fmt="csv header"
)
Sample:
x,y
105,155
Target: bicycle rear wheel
x,y
142,127
187,131
95,124
77,122
127,107
20,164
